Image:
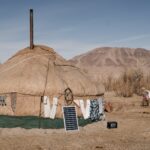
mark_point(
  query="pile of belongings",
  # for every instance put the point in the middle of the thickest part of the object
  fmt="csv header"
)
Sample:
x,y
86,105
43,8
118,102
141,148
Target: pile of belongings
x,y
108,107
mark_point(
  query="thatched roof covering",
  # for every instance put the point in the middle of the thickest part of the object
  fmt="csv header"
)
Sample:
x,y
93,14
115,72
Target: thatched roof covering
x,y
41,71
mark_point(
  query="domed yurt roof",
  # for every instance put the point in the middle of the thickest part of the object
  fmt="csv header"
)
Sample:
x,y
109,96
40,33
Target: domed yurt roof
x,y
41,71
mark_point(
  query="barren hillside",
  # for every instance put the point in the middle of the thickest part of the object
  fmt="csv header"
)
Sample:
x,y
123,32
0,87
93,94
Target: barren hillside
x,y
101,62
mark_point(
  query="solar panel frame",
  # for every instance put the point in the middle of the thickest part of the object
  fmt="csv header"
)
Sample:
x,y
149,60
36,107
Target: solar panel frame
x,y
76,128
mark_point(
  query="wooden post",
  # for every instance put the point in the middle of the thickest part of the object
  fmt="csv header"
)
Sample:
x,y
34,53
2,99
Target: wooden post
x,y
31,29
40,113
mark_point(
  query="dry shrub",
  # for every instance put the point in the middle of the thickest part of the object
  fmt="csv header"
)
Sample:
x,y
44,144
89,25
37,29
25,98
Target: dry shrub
x,y
146,82
108,83
130,82
123,86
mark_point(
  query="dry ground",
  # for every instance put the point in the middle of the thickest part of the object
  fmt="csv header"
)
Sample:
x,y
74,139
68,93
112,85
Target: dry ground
x,y
133,132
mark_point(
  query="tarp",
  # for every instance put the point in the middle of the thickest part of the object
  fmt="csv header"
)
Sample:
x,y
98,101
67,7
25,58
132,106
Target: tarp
x,y
29,122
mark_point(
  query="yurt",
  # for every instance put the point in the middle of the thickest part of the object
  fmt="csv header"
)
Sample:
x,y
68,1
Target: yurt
x,y
31,74
37,81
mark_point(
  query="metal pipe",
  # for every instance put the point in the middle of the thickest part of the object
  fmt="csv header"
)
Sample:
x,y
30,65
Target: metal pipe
x,y
31,29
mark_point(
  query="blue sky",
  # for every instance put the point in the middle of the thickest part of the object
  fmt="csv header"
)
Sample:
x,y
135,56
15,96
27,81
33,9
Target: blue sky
x,y
73,27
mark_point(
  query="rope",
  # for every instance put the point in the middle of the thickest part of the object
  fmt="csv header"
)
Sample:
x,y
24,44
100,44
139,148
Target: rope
x,y
43,93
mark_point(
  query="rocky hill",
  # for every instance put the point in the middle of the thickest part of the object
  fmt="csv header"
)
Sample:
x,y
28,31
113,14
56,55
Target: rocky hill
x,y
104,61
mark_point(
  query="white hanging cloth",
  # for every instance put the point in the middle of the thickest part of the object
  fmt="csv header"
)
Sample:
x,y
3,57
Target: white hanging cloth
x,y
50,112
54,108
46,107
85,109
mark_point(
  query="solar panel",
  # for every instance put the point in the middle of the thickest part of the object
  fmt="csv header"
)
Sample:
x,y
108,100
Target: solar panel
x,y
70,118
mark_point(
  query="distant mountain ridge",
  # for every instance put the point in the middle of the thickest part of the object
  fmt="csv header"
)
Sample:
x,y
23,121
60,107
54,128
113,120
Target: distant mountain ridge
x,y
112,61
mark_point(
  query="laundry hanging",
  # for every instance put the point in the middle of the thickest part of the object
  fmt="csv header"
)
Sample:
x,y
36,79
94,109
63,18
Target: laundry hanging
x,y
96,109
54,108
85,109
46,107
50,112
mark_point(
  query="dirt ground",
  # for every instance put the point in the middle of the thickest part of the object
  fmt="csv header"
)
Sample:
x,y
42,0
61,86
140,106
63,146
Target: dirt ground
x,y
133,132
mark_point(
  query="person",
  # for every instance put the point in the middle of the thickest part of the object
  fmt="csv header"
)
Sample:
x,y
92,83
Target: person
x,y
146,98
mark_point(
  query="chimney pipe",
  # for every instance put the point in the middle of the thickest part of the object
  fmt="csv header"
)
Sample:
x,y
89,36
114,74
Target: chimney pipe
x,y
31,29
